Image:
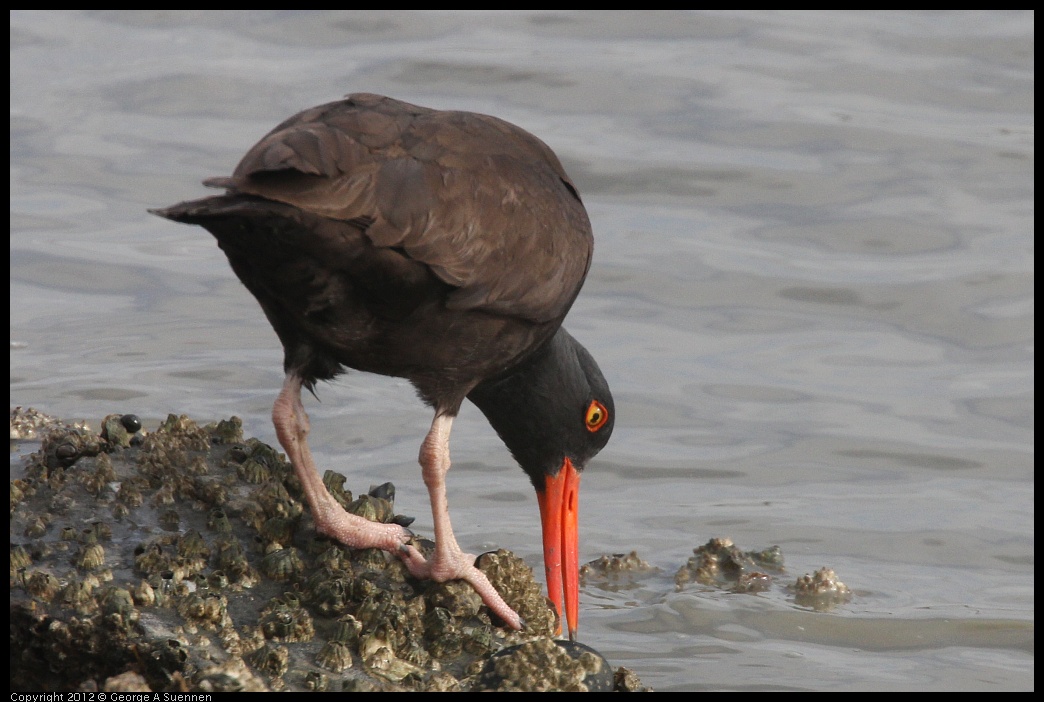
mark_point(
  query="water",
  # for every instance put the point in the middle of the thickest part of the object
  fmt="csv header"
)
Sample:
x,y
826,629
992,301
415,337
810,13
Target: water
x,y
812,294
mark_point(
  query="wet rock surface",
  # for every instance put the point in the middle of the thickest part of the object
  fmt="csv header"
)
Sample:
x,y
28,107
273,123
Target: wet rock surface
x,y
184,560
543,665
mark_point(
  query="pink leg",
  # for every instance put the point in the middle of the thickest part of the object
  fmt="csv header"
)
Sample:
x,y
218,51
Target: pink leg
x,y
291,425
449,562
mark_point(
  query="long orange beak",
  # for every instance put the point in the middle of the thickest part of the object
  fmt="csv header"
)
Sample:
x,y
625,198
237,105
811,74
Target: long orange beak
x,y
560,519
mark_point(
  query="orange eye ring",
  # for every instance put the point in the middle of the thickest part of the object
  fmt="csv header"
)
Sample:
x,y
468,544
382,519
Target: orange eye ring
x,y
597,416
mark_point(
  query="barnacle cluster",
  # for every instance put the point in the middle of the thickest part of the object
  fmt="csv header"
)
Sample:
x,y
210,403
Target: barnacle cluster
x,y
28,424
543,665
199,570
616,571
821,590
721,563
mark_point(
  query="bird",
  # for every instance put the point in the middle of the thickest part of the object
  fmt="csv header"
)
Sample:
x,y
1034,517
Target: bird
x,y
440,246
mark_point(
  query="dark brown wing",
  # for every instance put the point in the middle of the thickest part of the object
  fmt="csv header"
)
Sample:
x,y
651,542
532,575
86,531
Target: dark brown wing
x,y
486,205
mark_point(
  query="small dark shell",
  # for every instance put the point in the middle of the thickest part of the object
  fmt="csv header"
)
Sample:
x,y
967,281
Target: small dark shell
x,y
131,423
384,491
402,520
60,449
66,453
237,453
333,556
267,455
771,556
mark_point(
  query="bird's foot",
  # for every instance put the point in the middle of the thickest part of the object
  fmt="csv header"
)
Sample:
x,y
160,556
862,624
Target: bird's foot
x,y
457,565
358,532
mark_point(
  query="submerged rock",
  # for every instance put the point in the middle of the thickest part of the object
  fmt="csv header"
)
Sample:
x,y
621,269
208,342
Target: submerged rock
x,y
821,590
720,563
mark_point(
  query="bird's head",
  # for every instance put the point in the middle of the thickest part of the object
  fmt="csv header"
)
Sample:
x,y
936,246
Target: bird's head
x,y
554,411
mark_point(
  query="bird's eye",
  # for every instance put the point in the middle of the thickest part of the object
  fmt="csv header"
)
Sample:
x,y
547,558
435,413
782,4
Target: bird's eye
x,y
597,415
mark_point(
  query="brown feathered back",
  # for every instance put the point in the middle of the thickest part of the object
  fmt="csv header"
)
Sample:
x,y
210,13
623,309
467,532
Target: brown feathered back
x,y
486,205
443,247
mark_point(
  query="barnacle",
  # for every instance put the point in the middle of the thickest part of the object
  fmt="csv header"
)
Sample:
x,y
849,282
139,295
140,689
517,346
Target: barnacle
x,y
283,619
335,656
90,557
271,659
280,563
821,590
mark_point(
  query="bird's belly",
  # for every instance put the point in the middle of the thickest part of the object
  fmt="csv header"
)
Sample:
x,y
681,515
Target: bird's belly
x,y
444,353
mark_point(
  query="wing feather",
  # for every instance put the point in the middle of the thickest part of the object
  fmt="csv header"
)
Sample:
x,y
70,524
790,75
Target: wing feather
x,y
483,203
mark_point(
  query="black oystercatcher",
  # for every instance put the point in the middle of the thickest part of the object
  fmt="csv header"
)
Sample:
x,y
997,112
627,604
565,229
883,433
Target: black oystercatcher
x,y
441,247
